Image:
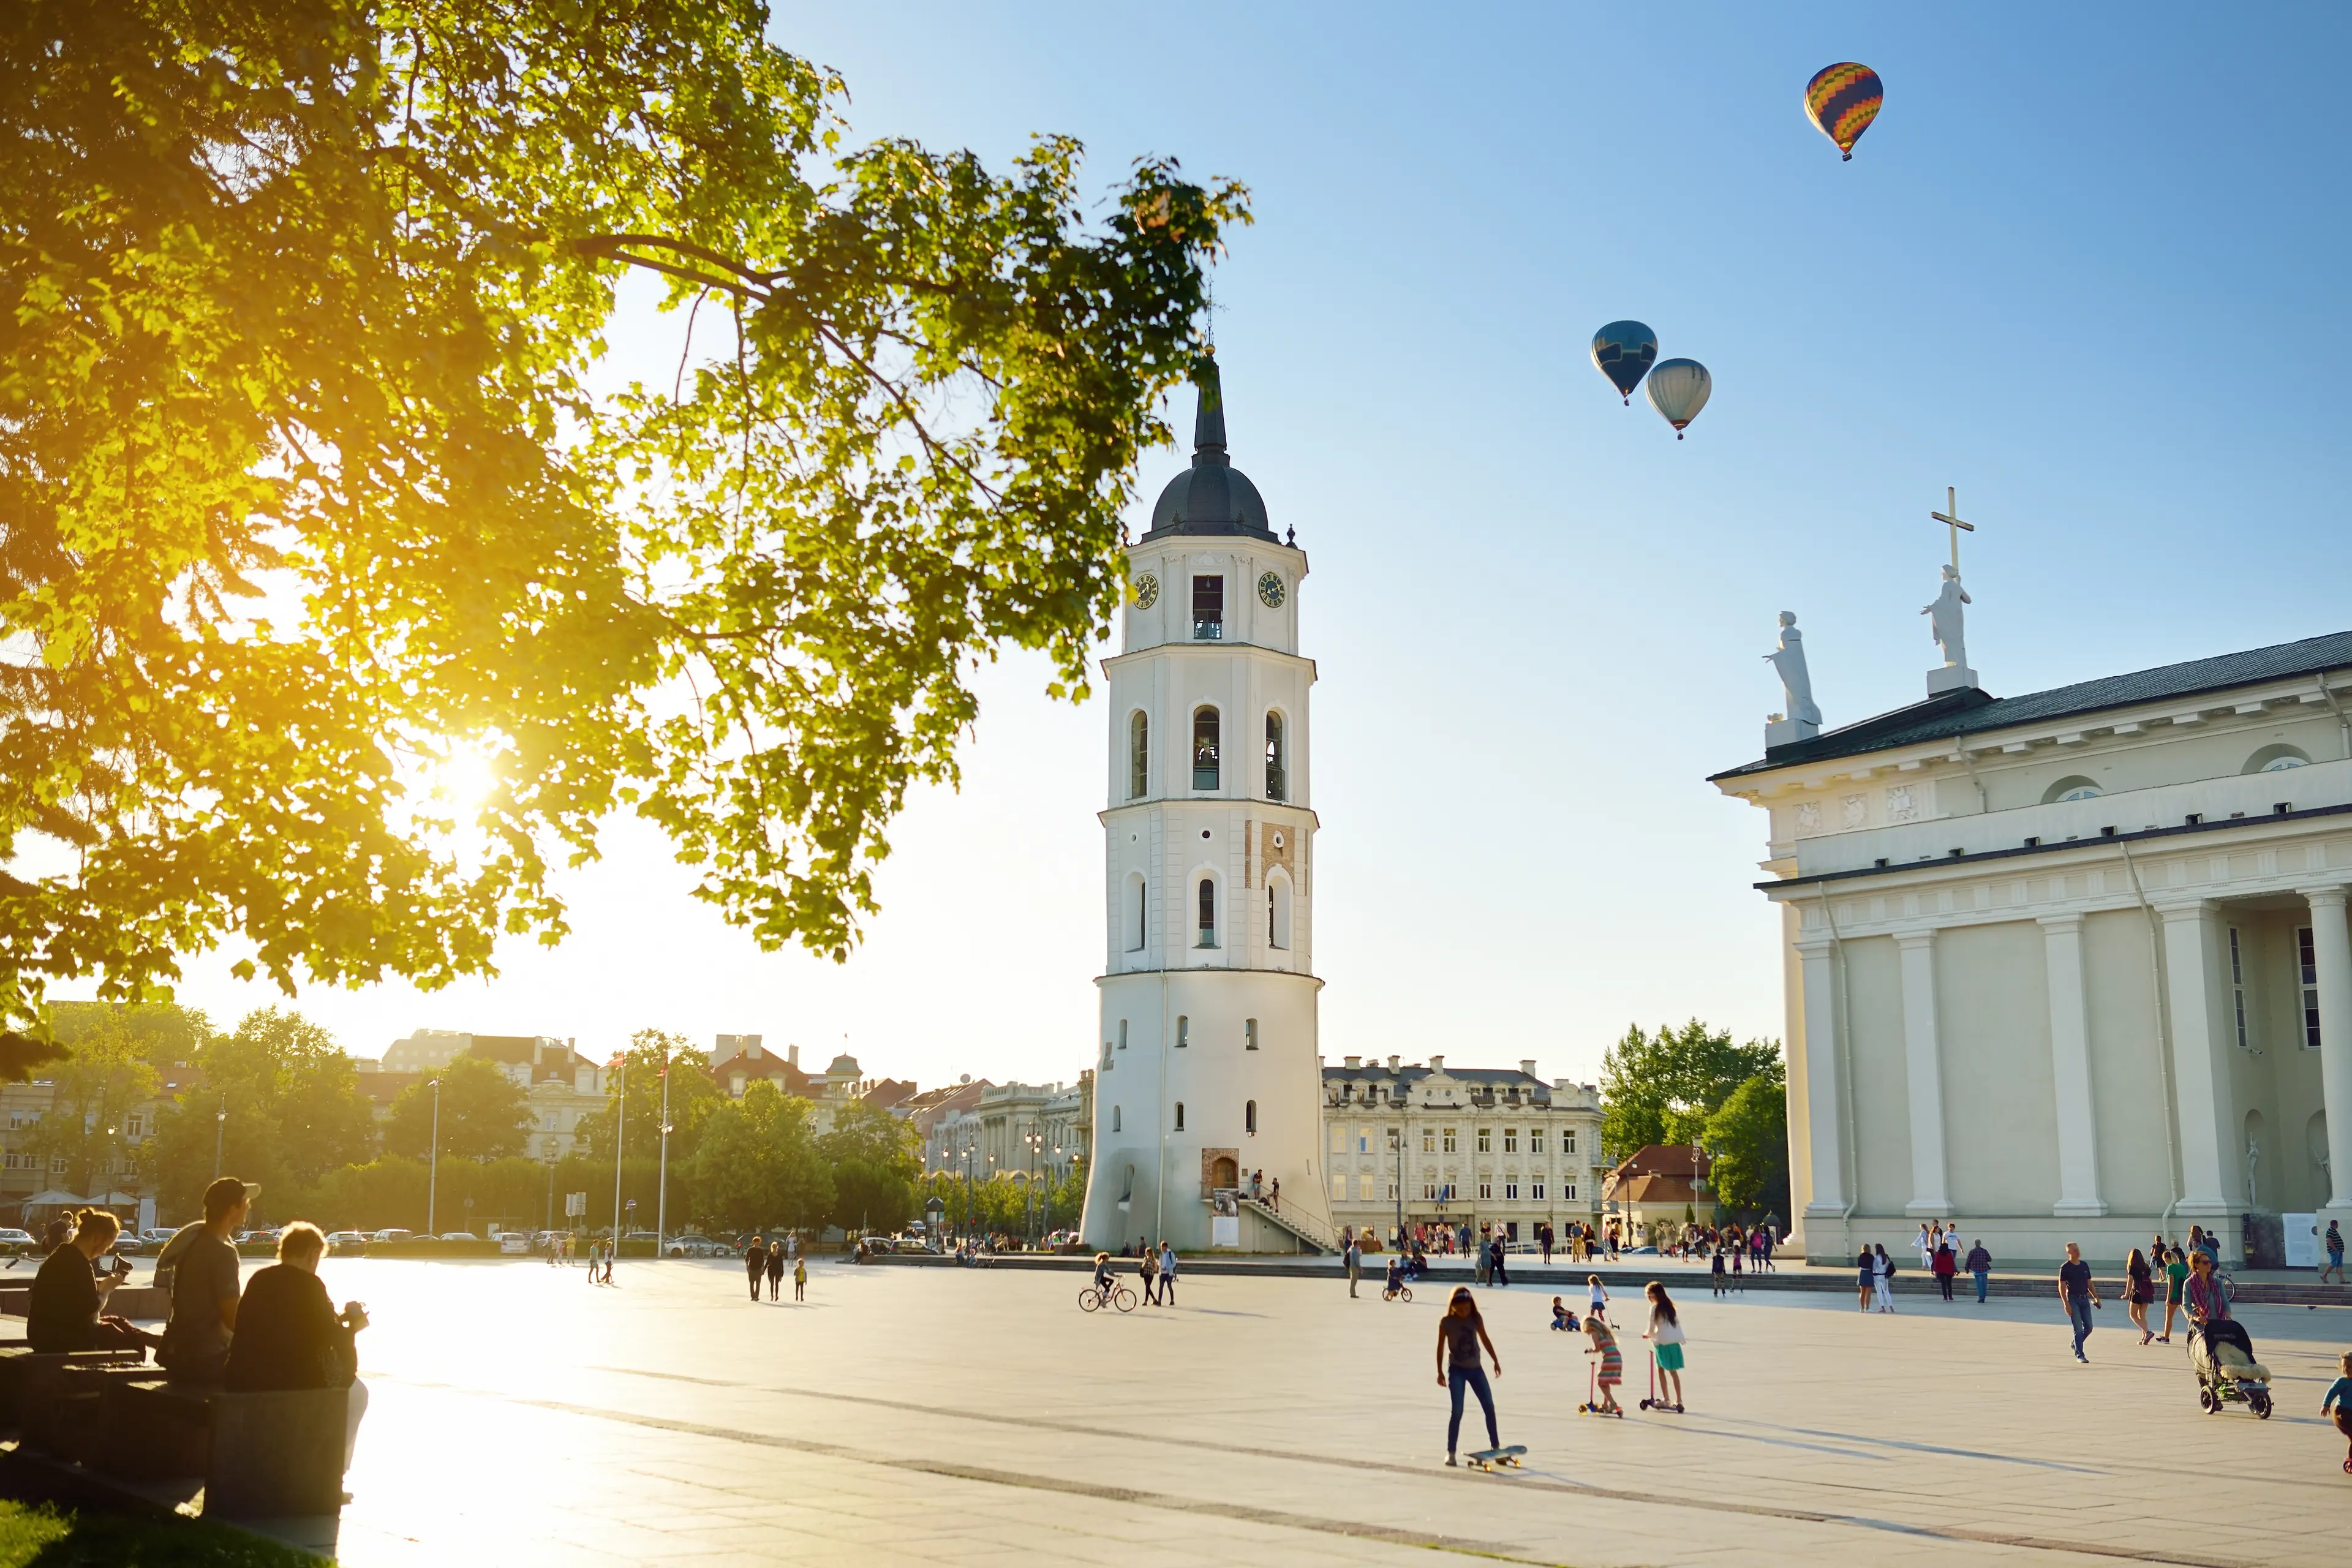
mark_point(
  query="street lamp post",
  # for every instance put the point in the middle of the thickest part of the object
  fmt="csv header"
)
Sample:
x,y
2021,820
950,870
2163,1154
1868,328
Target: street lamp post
x,y
432,1169
220,1132
661,1195
1036,1141
620,1137
1396,1147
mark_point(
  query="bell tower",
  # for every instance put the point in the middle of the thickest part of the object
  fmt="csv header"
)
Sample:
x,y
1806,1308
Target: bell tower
x,y
1208,1069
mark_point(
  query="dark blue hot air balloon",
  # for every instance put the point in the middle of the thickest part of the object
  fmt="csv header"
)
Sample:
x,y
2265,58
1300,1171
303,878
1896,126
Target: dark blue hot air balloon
x,y
1623,351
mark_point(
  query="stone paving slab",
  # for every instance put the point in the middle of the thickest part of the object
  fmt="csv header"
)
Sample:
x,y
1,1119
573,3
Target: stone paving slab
x,y
521,1416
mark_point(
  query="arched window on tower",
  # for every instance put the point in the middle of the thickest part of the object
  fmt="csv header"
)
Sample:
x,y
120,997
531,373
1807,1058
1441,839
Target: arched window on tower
x,y
1249,1119
1204,748
1277,786
1135,911
1277,909
1114,1118
1208,912
1138,755
1179,1116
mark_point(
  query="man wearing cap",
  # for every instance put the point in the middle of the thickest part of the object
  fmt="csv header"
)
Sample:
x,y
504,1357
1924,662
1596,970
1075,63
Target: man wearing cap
x,y
203,1262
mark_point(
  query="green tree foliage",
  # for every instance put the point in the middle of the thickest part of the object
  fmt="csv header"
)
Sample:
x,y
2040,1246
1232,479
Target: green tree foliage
x,y
1660,1088
758,1165
1748,1136
991,1205
306,482
693,1096
293,1106
482,1114
876,1160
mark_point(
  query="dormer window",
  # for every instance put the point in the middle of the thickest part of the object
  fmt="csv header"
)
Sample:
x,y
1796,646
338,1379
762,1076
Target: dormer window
x,y
1208,609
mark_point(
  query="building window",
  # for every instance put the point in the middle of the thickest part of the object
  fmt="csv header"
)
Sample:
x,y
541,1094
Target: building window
x,y
1122,1034
1179,1116
133,1126
1363,1140
1429,1140
2075,786
58,1165
1249,1118
1277,910
2308,957
1535,1190
1486,1188
1485,1140
1183,1032
1391,1192
1205,725
1339,1189
1510,1139
2238,989
1249,1033
1452,1142
1534,1139
1114,1118
1134,911
1339,1140
1276,787
1429,1192
1568,1141
1208,609
1364,1188
1207,900
1139,756
1567,1191
1511,1192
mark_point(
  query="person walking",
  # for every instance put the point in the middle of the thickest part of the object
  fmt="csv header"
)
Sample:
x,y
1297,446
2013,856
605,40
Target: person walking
x,y
1925,1246
1167,1274
1866,1281
2078,1295
755,1263
2334,1242
1946,1266
799,1279
1882,1278
1979,1267
2337,1401
2206,1300
1354,1257
2176,1289
1273,1195
1665,1336
1596,1296
1498,1266
775,1269
1148,1270
1460,1333
1718,1276
1543,1240
2139,1289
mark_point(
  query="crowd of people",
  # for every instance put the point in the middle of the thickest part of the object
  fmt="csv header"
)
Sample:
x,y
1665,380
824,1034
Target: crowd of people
x,y
278,1332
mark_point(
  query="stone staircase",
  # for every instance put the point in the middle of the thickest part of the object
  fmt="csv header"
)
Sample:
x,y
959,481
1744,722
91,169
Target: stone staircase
x,y
1313,1237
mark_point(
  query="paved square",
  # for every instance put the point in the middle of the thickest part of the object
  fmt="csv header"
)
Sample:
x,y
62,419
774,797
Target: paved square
x,y
933,1415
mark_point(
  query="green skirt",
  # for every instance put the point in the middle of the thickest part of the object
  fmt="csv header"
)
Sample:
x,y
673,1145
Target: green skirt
x,y
1670,1358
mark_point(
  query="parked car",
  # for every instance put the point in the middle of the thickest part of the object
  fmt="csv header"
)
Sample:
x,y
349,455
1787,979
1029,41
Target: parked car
x,y
394,1235
459,1235
346,1244
698,1246
159,1235
15,1240
514,1244
641,1235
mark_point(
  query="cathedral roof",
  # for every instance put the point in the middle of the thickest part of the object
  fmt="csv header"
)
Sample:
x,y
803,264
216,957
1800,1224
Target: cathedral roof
x,y
1211,496
1969,712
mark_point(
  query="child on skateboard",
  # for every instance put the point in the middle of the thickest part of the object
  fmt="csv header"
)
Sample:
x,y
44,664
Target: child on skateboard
x,y
1460,1333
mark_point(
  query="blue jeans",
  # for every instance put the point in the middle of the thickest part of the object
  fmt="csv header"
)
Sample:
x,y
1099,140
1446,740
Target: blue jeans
x,y
1472,1377
2078,1308
1984,1275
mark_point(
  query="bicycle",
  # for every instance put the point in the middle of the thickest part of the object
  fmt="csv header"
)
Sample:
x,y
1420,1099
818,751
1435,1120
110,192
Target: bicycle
x,y
1094,1300
1401,1293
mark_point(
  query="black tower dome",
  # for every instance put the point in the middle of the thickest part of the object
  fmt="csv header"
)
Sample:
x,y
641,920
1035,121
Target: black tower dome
x,y
1211,496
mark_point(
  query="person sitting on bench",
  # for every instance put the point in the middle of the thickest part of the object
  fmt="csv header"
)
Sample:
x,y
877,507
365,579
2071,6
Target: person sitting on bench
x,y
290,1336
67,1298
202,1260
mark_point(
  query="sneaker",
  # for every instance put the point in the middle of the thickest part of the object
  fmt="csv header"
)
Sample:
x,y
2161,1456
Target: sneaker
x,y
1450,1462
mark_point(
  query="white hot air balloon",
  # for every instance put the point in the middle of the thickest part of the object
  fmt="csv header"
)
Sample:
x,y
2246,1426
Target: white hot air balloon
x,y
1678,389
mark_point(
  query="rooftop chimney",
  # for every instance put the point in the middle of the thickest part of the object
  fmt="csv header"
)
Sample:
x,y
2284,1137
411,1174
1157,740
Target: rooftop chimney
x,y
1353,1062
1527,1066
751,1049
1437,1064
1392,1064
793,1055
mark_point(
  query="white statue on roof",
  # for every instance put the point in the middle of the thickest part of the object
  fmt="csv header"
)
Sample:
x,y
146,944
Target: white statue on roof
x,y
1801,718
1945,620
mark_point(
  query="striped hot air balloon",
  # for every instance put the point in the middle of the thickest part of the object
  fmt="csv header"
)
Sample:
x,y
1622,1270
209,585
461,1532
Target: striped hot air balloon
x,y
1843,99
1678,390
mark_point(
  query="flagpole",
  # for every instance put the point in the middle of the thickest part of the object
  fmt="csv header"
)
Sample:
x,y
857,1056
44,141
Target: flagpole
x,y
620,1136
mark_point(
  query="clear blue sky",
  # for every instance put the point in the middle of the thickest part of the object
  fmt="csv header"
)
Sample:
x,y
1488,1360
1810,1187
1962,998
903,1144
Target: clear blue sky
x,y
2087,266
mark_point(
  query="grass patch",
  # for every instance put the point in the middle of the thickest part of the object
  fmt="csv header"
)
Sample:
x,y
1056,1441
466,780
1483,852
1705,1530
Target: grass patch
x,y
42,1536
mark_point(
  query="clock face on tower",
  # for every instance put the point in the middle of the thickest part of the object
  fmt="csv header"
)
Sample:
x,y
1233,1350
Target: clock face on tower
x,y
1147,591
1269,591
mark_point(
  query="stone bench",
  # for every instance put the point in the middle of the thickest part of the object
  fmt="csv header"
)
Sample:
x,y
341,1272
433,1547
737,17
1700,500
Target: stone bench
x,y
69,1421
155,1430
277,1455
28,1378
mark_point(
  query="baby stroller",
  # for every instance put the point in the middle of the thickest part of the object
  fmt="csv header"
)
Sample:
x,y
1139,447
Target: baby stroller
x,y
2227,1372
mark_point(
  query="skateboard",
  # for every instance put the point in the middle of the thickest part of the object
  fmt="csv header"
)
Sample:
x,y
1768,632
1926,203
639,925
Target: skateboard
x,y
1488,1459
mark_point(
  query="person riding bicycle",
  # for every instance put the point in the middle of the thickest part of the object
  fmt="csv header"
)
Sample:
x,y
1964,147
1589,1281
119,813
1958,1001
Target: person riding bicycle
x,y
1102,1274
1396,1275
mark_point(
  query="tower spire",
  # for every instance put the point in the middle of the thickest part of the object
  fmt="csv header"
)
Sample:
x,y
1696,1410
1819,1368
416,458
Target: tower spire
x,y
1209,418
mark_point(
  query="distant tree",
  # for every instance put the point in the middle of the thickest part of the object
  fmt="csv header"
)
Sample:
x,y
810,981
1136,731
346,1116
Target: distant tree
x,y
758,1165
693,1096
876,1160
1749,1136
96,1087
276,1102
1661,1088
482,1114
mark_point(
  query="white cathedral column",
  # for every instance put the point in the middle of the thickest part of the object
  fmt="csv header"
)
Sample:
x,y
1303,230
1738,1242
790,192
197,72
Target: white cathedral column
x,y
2070,1069
2200,1085
1825,1127
2331,952
1923,1070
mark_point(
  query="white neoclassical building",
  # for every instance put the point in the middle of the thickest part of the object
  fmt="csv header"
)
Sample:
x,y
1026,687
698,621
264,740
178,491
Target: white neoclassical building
x,y
1208,1068
2072,965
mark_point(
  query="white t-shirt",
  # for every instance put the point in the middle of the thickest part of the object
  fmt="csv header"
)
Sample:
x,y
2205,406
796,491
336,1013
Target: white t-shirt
x,y
1663,1332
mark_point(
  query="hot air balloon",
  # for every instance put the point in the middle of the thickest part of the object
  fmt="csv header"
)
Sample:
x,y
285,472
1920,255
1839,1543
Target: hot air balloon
x,y
1623,351
1843,99
1678,390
